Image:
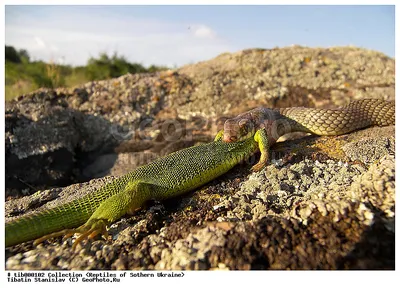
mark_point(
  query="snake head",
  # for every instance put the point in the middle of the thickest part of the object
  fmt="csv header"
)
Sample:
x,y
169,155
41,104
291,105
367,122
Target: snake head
x,y
238,129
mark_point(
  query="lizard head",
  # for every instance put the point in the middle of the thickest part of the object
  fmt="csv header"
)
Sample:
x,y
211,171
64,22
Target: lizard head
x,y
238,129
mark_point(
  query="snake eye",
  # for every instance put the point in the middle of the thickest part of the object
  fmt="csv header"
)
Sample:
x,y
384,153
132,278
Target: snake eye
x,y
243,123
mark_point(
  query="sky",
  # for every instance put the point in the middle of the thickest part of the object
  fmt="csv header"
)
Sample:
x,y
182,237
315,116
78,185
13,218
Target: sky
x,y
178,35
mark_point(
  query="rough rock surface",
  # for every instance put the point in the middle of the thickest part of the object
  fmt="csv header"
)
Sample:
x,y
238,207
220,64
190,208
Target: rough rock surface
x,y
322,203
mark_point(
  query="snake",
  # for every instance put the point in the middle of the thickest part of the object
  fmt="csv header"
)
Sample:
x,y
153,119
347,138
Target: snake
x,y
266,125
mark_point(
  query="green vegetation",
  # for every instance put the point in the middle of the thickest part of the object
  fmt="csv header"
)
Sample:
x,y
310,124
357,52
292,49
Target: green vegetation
x,y
23,75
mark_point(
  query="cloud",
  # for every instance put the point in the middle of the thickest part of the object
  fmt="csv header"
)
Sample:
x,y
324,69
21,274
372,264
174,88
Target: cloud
x,y
53,48
203,31
77,37
40,43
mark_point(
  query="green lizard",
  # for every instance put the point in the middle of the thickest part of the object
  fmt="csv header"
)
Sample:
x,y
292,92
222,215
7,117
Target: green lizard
x,y
192,167
172,175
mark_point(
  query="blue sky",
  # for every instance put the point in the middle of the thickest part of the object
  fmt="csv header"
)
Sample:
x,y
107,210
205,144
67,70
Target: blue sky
x,y
177,35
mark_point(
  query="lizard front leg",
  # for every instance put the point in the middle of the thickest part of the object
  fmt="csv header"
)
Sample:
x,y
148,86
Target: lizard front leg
x,y
219,135
261,138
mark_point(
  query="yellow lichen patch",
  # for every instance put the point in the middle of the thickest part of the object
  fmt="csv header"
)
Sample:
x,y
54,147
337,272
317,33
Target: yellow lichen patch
x,y
314,147
331,147
209,197
188,208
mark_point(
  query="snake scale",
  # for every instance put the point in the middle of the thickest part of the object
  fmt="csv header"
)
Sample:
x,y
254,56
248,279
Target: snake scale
x,y
354,116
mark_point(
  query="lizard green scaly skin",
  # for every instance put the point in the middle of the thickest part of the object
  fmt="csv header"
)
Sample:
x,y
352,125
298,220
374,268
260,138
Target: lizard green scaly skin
x,y
163,178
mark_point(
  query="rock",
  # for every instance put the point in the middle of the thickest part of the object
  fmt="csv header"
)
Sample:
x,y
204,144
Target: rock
x,y
322,202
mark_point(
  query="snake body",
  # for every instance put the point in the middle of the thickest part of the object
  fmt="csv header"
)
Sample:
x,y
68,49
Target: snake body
x,y
277,122
356,115
267,125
